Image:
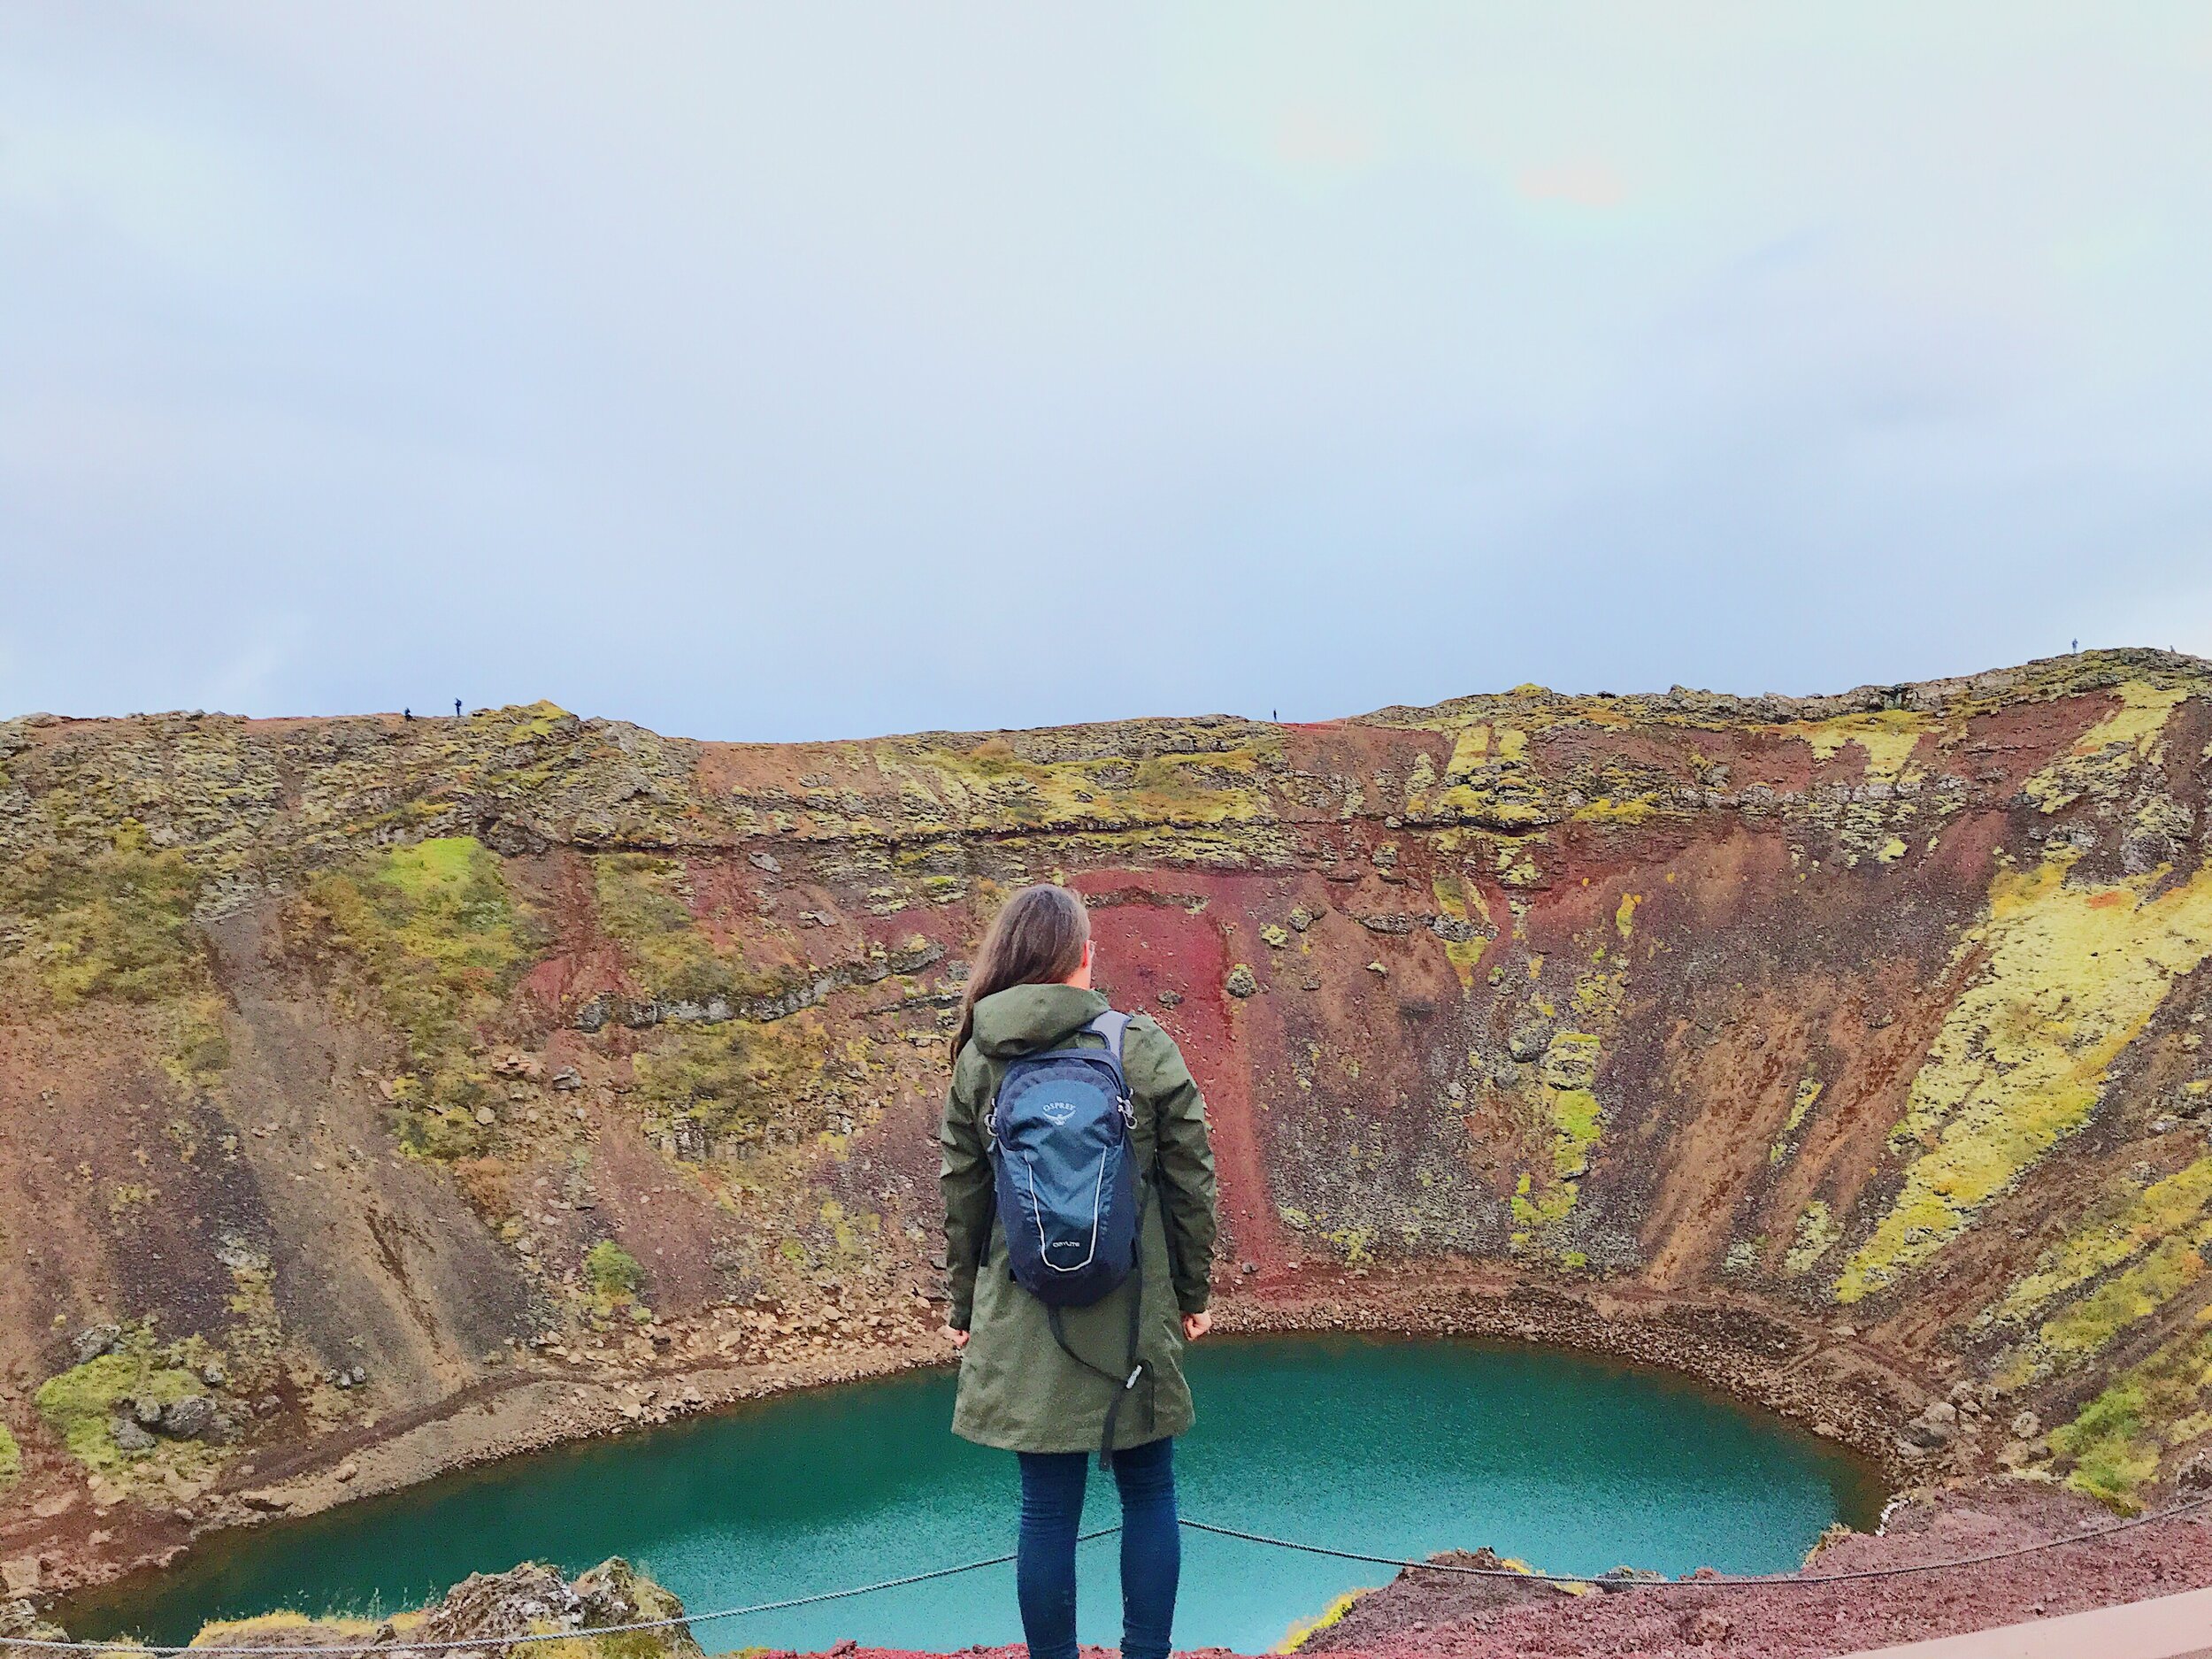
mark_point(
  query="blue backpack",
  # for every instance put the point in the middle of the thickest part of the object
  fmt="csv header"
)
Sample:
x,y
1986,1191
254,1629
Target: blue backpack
x,y
1063,1173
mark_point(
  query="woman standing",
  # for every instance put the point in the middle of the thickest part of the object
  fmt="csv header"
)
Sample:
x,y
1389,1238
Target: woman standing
x,y
1020,1389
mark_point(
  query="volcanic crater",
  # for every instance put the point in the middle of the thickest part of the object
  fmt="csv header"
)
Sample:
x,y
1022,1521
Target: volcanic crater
x,y
410,1092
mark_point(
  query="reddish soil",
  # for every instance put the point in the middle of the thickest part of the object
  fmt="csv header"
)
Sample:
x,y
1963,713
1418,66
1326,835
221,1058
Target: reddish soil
x,y
1430,1614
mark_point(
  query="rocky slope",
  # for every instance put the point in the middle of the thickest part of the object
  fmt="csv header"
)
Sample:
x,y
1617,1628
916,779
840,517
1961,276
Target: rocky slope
x,y
378,1094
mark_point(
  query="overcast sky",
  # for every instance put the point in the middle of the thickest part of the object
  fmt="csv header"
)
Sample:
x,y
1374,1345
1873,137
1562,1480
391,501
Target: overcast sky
x,y
826,370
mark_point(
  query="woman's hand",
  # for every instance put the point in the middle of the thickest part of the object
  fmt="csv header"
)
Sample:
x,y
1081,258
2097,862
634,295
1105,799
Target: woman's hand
x,y
959,1337
1196,1324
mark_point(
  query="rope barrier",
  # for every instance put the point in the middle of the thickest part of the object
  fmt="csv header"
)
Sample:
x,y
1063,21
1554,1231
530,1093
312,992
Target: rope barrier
x,y
397,1646
1747,1582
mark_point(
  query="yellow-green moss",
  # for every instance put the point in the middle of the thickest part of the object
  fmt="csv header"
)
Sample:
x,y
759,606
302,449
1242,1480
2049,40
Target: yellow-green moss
x,y
1418,782
81,1404
2122,1226
991,785
2117,1441
299,1629
613,1272
1808,1091
1471,748
1567,1072
1482,760
2071,975
1887,736
1626,809
1574,1122
198,1048
642,909
441,939
1302,1633
1462,902
11,1460
2101,760
1817,1235
284,1626
116,923
1574,1114
2172,1267
532,721
1625,914
734,1079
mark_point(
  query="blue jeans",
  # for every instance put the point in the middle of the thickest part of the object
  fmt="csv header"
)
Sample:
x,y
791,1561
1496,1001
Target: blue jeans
x,y
1151,1548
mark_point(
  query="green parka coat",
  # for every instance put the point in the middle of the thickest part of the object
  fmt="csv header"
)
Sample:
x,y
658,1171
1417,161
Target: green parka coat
x,y
1017,1389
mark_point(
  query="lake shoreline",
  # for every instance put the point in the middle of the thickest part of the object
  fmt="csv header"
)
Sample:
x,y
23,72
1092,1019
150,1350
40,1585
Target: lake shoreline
x,y
1741,1345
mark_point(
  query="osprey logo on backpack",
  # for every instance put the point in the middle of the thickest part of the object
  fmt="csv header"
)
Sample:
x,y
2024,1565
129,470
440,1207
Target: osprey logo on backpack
x,y
1062,1171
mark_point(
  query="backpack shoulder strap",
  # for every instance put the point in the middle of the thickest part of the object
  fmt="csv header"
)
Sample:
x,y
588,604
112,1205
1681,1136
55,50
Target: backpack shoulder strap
x,y
1113,1026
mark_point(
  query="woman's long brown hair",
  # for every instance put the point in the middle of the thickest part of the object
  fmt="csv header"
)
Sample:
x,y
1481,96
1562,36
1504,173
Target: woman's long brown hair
x,y
1036,939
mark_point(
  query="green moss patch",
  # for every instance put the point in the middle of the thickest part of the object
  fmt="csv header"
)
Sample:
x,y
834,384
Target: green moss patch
x,y
80,1404
2173,1267
441,939
11,1460
2072,975
1817,1232
732,1081
613,1271
2118,1441
643,908
2122,1226
116,923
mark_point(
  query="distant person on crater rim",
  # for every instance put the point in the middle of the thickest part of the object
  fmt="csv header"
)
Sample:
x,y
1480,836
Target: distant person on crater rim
x,y
1079,1223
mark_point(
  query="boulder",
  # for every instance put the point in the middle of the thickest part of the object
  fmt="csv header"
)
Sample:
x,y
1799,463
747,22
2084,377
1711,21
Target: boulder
x,y
1932,1429
536,1598
1705,1624
1241,981
1527,1044
93,1340
193,1418
1570,1060
19,1618
129,1435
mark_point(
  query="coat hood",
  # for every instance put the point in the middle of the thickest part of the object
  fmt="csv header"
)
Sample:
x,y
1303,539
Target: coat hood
x,y
1023,1018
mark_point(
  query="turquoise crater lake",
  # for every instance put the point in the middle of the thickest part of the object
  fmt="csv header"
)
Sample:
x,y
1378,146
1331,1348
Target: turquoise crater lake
x,y
1392,1448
